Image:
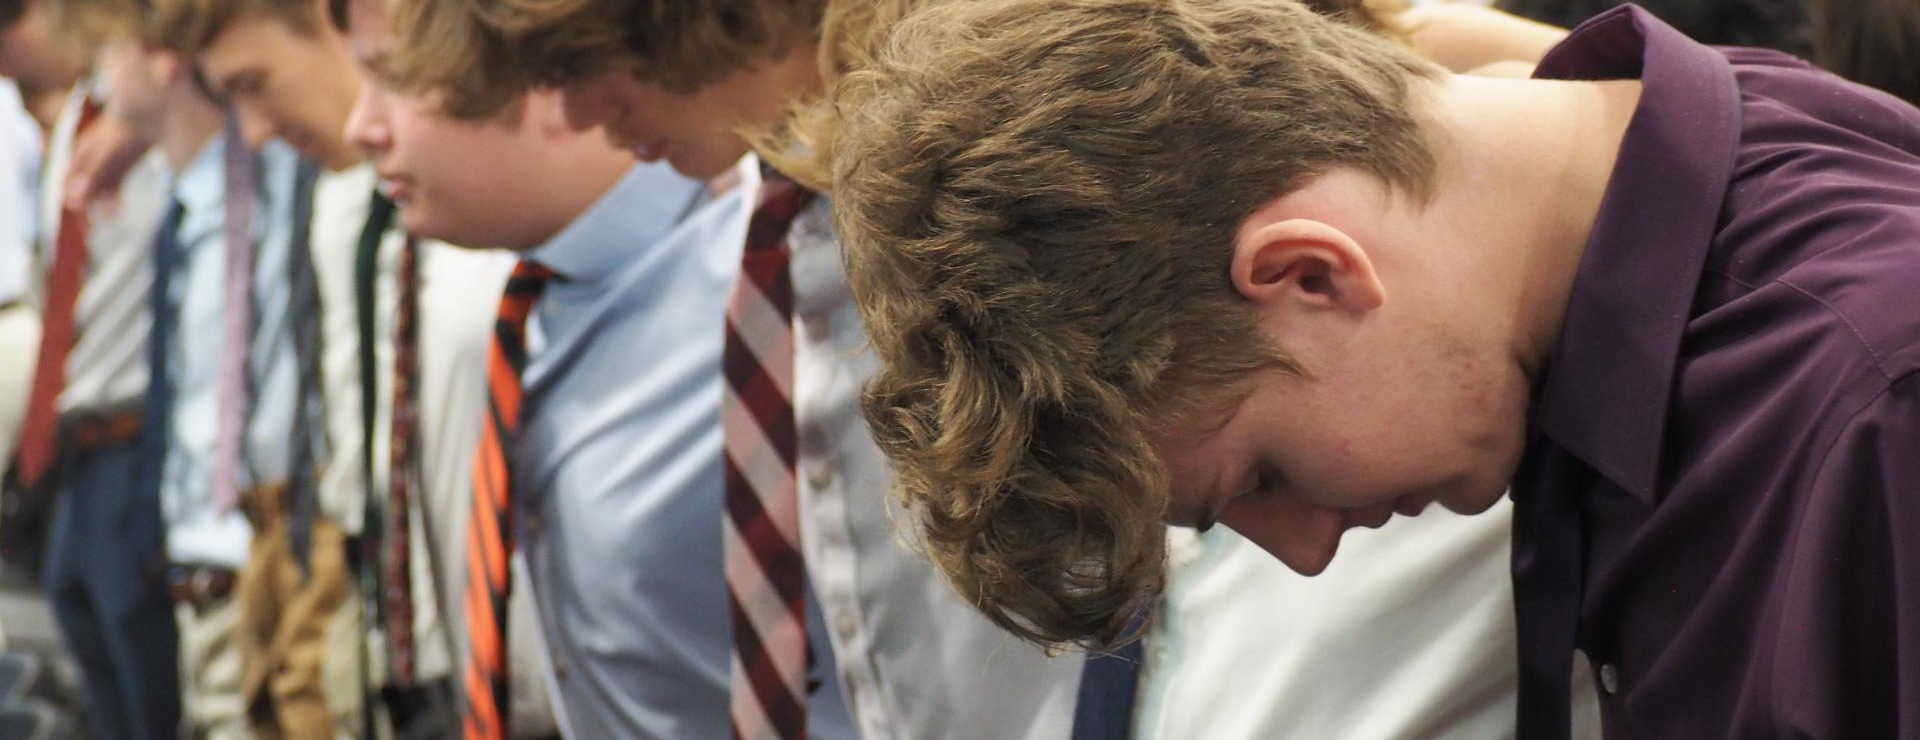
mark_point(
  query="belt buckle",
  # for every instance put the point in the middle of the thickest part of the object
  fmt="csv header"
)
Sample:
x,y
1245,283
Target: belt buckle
x,y
201,584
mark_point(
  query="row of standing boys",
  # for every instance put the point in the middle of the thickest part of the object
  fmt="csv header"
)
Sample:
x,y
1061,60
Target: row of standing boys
x,y
350,419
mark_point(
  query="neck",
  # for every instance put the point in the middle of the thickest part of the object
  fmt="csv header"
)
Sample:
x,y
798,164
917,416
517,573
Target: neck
x,y
187,125
44,104
1525,164
579,182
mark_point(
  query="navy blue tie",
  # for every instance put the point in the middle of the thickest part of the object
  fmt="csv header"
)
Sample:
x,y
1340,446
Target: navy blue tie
x,y
157,414
1108,684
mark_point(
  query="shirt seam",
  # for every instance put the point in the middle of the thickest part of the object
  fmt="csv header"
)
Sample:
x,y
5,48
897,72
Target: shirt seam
x,y
1781,727
1879,362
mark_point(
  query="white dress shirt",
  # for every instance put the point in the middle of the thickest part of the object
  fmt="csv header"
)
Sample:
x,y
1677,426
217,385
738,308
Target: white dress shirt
x,y
915,660
19,324
1408,635
19,174
107,365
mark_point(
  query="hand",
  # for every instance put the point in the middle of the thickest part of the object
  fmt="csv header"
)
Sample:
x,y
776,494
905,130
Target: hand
x,y
102,156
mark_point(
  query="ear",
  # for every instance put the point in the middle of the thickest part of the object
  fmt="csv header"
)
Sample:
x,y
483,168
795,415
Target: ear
x,y
545,109
164,66
1300,263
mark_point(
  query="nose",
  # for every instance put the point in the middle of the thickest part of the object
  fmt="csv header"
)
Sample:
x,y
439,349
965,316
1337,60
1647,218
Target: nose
x,y
367,123
1301,535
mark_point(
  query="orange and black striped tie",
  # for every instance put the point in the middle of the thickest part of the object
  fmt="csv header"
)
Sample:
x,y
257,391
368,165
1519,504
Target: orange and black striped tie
x,y
490,524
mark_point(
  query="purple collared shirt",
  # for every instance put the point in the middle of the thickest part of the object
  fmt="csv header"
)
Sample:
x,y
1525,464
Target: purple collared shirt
x,y
1720,503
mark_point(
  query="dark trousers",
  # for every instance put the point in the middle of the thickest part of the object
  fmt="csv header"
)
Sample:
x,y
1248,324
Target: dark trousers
x,y
107,581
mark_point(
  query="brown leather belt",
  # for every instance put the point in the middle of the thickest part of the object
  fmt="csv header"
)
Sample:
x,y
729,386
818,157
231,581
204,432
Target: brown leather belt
x,y
201,586
92,432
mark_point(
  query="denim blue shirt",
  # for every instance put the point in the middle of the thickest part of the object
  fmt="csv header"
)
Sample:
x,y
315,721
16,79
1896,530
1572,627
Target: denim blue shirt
x,y
617,468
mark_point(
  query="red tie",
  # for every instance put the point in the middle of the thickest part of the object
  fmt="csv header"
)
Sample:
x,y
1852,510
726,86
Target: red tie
x,y
490,523
766,575
37,437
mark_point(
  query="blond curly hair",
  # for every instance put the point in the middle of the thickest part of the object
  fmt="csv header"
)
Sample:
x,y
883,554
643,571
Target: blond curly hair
x,y
1037,201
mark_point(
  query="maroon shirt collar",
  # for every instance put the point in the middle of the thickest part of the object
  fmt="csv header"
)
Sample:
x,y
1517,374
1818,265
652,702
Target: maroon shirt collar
x,y
1607,384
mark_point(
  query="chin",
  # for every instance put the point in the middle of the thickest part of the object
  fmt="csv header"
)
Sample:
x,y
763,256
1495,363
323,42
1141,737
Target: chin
x,y
1473,500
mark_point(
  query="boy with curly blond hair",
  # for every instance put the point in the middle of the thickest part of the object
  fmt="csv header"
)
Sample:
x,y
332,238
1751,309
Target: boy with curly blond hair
x,y
1130,263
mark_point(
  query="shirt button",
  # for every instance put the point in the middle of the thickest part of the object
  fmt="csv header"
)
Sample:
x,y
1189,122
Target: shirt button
x,y
820,476
844,623
815,327
559,671
1609,679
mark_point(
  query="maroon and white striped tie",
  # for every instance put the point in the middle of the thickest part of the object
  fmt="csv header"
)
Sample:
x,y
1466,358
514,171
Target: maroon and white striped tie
x,y
766,575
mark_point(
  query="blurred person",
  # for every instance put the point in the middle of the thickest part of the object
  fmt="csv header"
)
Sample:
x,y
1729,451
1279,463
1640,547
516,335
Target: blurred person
x,y
405,321
1873,42
223,395
81,450
1615,285
33,57
19,323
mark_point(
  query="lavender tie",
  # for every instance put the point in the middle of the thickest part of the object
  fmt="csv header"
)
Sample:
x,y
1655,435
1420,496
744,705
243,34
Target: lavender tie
x,y
236,319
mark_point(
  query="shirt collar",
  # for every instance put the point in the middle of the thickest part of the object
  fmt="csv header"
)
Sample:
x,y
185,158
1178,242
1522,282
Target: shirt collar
x,y
628,219
1608,381
201,185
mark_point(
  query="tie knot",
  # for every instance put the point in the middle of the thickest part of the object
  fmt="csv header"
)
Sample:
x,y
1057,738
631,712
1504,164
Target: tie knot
x,y
532,273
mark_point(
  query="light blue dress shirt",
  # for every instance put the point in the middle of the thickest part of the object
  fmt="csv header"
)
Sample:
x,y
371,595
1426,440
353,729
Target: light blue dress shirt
x,y
617,467
198,532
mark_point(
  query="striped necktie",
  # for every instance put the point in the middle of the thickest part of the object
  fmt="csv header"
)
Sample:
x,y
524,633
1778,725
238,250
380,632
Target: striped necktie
x,y
68,271
766,575
309,419
490,523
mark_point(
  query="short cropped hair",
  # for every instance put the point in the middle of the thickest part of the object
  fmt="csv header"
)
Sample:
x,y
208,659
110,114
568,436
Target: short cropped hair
x,y
85,26
189,26
801,144
512,45
1873,42
1037,201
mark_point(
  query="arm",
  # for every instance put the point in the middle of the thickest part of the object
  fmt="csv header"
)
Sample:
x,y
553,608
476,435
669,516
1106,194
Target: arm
x,y
1464,36
1849,590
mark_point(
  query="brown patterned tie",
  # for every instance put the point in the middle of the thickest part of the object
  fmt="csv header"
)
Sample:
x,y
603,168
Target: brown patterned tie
x,y
490,524
766,574
404,472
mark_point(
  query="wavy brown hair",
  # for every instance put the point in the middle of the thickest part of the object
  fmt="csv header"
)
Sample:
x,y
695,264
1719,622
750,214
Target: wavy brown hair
x,y
1037,201
801,144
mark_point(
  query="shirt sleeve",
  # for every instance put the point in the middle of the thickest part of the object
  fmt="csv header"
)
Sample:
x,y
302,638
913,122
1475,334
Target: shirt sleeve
x,y
1847,660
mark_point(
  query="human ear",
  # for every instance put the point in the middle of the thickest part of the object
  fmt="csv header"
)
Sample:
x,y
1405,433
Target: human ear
x,y
164,66
1305,264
